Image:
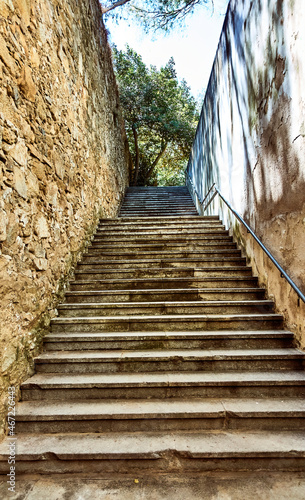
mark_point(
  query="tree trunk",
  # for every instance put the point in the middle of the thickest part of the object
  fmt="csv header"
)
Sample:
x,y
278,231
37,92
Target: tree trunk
x,y
154,164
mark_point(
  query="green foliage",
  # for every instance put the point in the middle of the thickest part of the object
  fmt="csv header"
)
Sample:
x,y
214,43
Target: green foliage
x,y
154,14
160,116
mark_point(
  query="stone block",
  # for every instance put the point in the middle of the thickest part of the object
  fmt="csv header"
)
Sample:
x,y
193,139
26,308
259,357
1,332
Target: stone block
x,y
3,225
20,183
24,7
20,153
6,57
26,84
40,264
42,227
52,193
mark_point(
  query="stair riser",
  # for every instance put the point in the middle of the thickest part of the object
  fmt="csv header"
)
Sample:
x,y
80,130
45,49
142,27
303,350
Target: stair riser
x,y
167,464
159,296
95,263
152,325
256,343
157,226
163,284
174,218
158,213
146,392
165,238
161,231
185,309
162,273
159,423
168,248
142,366
101,255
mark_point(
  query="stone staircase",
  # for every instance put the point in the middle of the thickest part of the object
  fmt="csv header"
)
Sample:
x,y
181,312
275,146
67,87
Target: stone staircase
x,y
165,357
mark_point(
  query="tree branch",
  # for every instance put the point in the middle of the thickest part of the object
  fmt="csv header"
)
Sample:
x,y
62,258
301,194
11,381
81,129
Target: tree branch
x,y
119,3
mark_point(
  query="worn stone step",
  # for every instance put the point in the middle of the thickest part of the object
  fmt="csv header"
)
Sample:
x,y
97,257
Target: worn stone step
x,y
163,205
156,213
167,247
193,322
270,339
169,360
137,415
137,254
141,308
162,272
116,224
164,235
186,229
165,385
185,294
166,219
124,452
165,283
152,224
95,262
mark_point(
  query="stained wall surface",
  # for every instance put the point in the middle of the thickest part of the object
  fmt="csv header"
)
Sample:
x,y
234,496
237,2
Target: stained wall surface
x,y
63,162
251,140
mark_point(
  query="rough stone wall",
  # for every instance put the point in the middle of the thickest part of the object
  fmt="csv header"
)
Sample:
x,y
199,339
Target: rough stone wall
x,y
63,162
251,140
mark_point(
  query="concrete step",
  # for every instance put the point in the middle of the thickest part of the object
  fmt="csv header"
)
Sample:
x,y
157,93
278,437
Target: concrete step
x,y
270,339
177,229
169,360
165,385
162,272
124,452
185,294
95,262
137,254
164,283
157,212
157,205
114,224
165,219
168,247
136,415
190,322
165,235
141,308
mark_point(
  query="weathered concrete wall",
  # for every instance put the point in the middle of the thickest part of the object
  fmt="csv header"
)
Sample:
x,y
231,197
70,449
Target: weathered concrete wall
x,y
63,161
251,139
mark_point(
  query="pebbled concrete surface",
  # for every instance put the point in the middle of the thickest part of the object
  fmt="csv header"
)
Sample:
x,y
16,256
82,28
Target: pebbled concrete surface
x,y
222,486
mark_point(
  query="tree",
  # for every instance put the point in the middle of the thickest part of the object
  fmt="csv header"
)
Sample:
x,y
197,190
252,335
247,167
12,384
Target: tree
x,y
156,13
160,114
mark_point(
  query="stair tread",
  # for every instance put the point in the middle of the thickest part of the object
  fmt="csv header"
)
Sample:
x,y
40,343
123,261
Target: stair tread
x,y
202,303
151,445
186,354
156,408
171,335
167,317
167,291
163,379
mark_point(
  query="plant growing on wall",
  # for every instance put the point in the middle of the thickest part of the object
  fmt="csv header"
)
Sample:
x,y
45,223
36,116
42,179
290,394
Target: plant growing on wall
x,y
160,115
155,13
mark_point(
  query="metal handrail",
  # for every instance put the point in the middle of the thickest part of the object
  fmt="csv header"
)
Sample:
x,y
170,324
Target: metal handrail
x,y
214,189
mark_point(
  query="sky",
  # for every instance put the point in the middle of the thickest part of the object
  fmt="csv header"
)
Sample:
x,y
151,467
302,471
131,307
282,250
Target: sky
x,y
193,47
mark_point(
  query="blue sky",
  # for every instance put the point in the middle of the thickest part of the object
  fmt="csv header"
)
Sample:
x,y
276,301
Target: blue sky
x,y
193,48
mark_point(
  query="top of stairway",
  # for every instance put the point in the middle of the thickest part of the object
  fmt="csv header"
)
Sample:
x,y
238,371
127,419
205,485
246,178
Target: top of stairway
x,y
158,201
